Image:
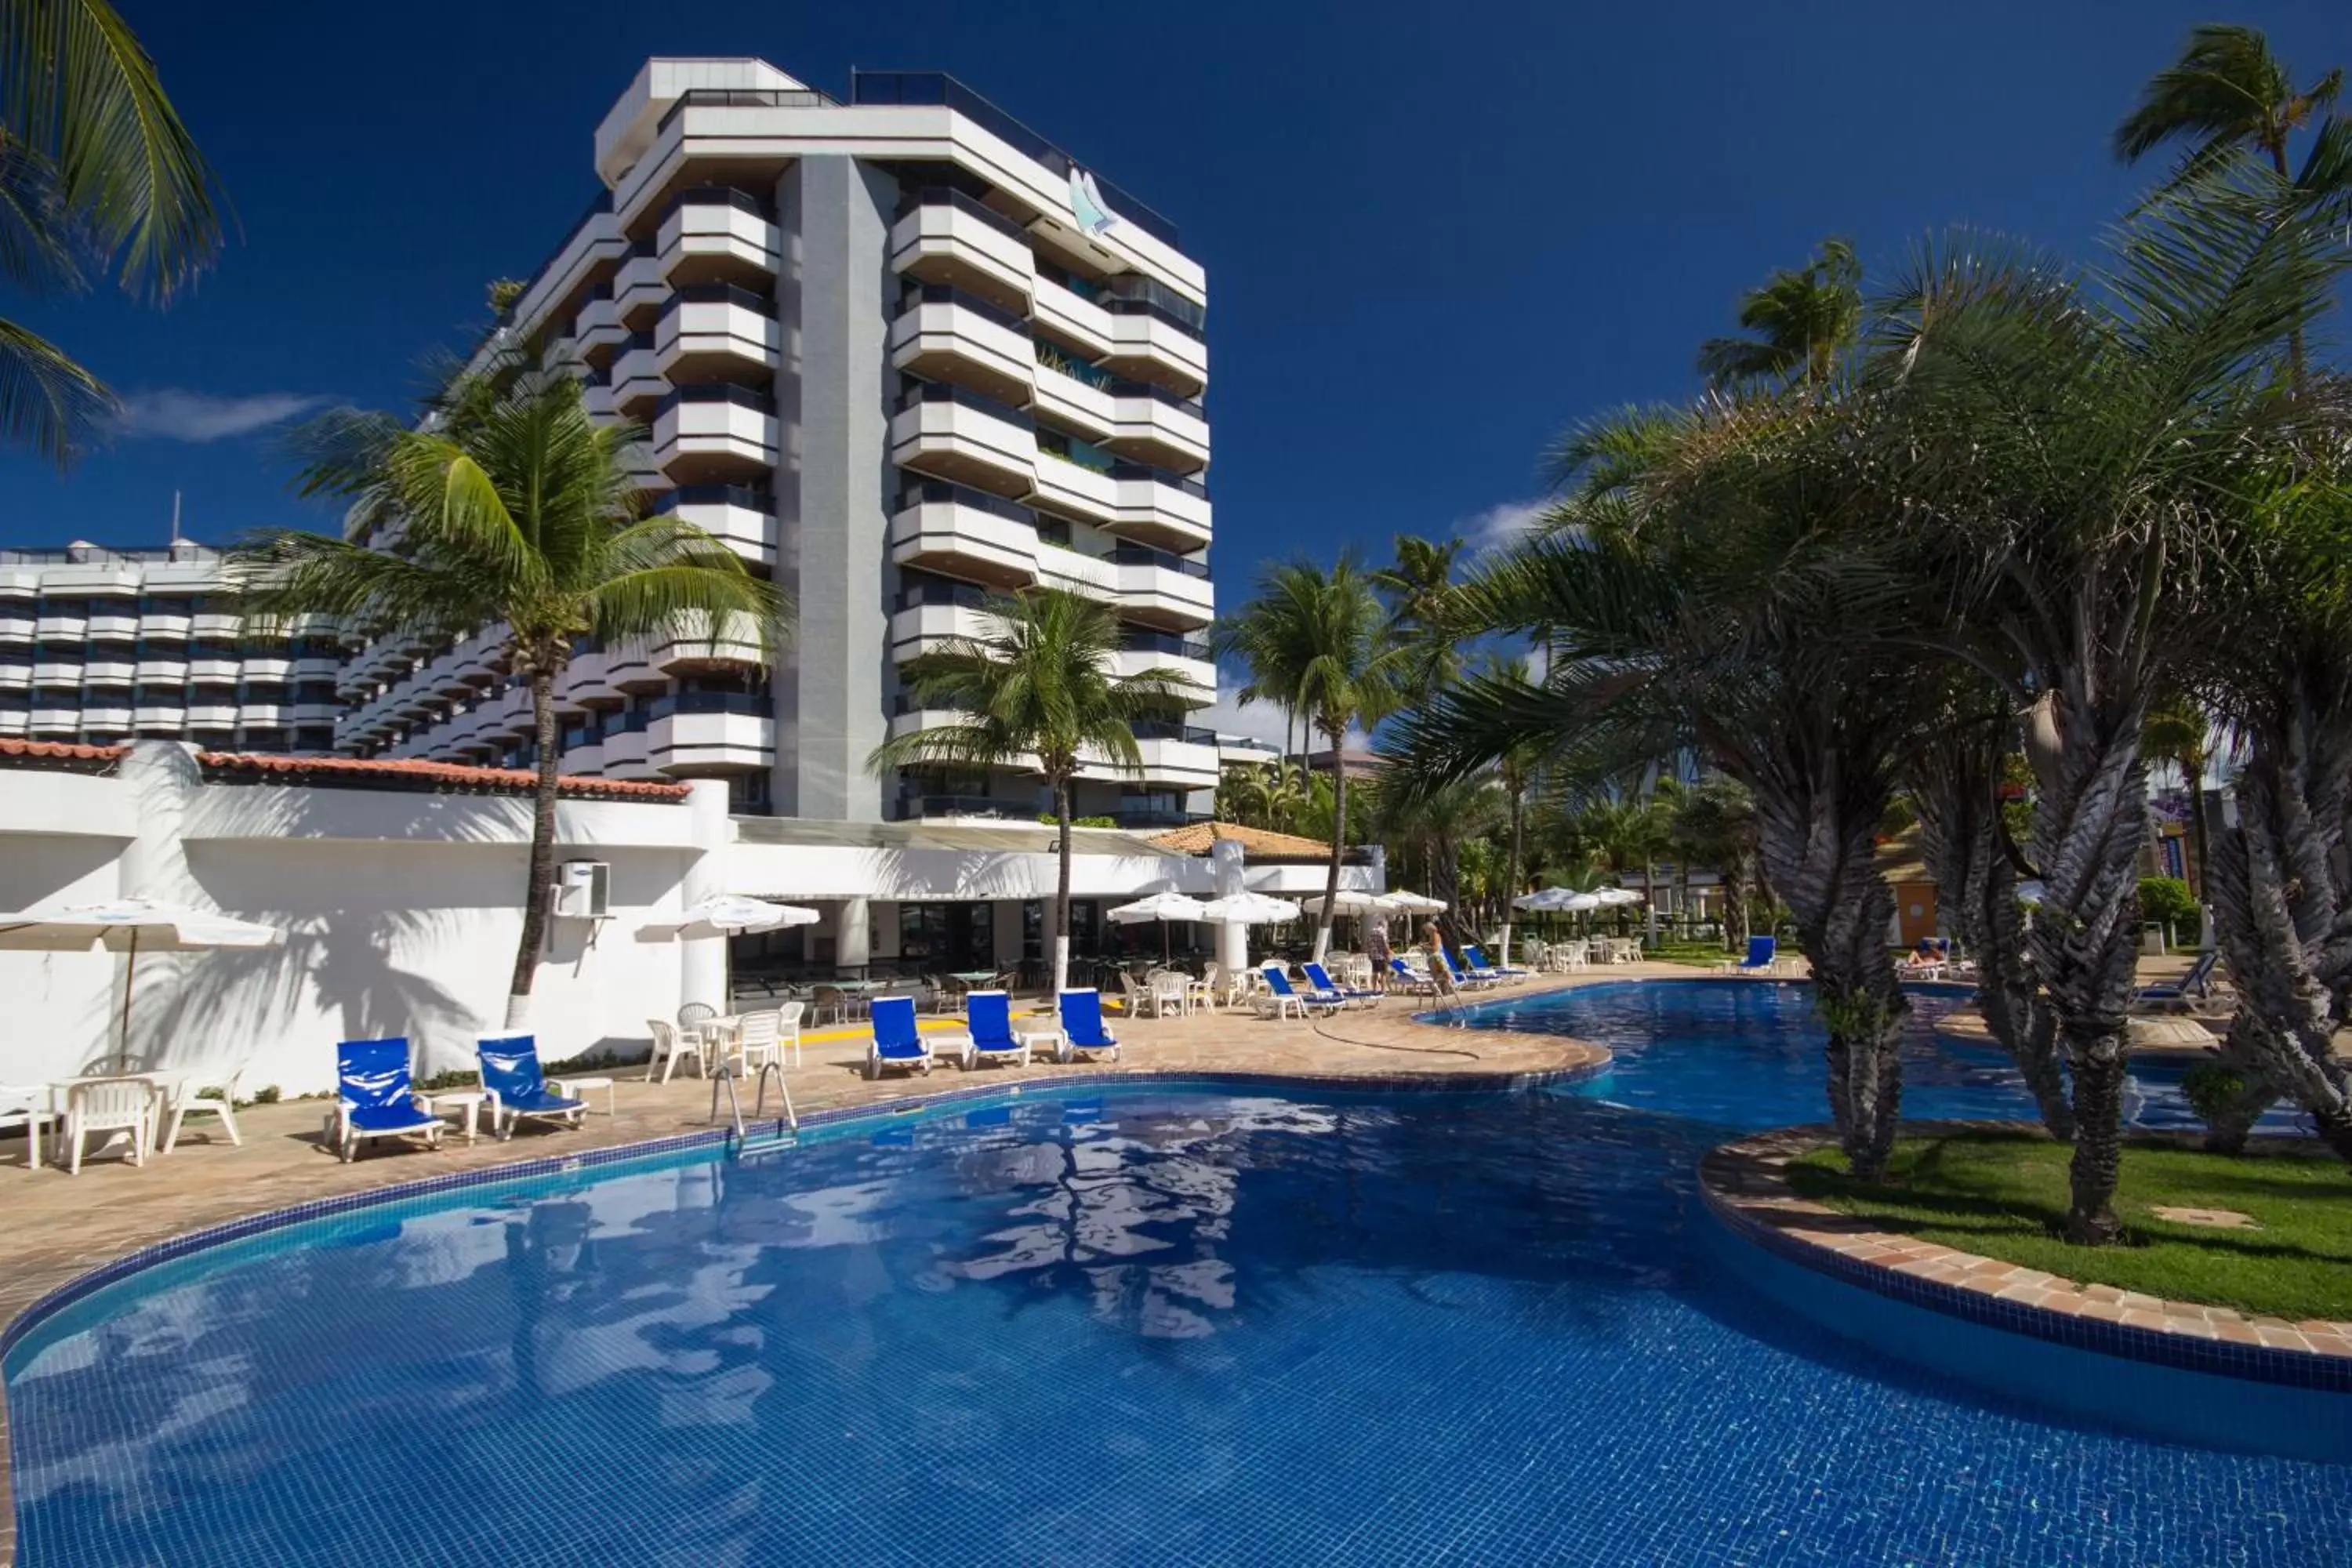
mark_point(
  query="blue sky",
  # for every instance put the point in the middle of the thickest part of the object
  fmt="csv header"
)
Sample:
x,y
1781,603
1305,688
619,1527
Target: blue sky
x,y
1436,235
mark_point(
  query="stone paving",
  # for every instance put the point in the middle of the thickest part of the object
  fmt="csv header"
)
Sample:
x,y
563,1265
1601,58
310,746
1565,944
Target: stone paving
x,y
62,1227
1747,1183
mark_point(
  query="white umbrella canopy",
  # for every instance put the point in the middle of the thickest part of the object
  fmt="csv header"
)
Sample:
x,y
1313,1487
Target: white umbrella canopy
x,y
1611,896
1354,901
1420,902
1544,900
728,915
131,926
1161,906
1249,909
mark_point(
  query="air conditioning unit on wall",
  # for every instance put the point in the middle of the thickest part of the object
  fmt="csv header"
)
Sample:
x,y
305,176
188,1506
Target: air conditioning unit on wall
x,y
583,890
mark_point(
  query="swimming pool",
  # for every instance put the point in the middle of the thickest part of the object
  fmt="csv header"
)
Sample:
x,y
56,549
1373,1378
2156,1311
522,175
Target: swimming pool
x,y
1148,1325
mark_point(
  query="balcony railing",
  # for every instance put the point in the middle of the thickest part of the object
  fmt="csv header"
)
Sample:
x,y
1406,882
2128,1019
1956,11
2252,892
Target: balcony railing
x,y
936,490
948,294
707,195
1131,555
740,396
1159,395
745,97
722,294
915,805
923,391
631,722
1130,292
1194,488
1076,369
938,88
942,595
753,703
760,502
948,196
1135,640
1170,730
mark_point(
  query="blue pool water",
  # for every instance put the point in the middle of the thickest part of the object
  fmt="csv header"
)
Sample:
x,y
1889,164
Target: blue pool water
x,y
1150,1326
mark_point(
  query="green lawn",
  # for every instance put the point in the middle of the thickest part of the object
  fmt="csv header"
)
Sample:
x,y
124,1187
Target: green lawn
x,y
2004,1196
1704,954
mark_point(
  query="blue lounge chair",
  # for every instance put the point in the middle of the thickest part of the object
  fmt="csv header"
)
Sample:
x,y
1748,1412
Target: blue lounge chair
x,y
1479,964
897,1043
1464,980
1353,996
512,1077
1475,967
1082,1024
1763,958
989,1014
2177,995
1403,976
1282,998
374,1097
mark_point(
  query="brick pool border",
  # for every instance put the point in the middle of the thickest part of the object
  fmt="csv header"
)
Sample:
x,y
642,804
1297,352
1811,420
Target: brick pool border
x,y
1746,1186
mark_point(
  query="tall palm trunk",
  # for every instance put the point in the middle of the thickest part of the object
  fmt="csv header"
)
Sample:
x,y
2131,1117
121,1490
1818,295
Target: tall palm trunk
x,y
2282,902
1957,790
1062,888
1511,867
1339,845
539,883
1820,852
2089,825
1735,901
2200,850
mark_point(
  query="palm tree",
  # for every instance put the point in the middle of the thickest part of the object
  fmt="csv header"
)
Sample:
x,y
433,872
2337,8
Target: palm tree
x,y
2067,446
98,176
1434,825
1036,692
1318,641
1802,322
1515,771
2227,91
1419,591
1714,824
509,507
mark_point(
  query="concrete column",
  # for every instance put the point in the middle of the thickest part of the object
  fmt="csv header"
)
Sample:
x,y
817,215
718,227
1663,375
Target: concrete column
x,y
1225,860
702,966
836,213
853,940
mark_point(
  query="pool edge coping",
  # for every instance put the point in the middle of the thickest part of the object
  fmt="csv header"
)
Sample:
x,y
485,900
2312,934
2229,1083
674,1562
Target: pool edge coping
x,y
114,1270
1744,1186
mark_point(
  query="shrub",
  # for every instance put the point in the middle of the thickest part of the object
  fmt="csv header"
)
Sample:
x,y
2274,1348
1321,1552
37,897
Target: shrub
x,y
2211,1088
2168,901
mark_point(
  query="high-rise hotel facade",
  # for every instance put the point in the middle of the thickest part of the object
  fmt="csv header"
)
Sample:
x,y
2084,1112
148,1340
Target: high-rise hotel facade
x,y
889,351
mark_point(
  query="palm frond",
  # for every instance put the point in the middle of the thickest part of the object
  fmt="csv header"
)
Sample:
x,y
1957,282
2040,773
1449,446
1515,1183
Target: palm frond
x,y
47,401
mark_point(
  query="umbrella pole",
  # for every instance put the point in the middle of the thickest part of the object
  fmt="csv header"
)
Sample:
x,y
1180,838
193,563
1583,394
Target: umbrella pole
x,y
129,977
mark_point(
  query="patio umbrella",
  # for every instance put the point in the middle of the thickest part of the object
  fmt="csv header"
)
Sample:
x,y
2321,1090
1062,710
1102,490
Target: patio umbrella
x,y
1163,907
1419,903
1543,900
1248,909
728,915
131,926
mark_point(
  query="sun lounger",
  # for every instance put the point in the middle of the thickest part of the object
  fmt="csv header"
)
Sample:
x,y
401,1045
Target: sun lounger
x,y
1477,958
1350,995
1763,958
2183,994
511,1079
896,1042
1082,1024
989,1014
1282,998
1464,980
374,1097
1403,976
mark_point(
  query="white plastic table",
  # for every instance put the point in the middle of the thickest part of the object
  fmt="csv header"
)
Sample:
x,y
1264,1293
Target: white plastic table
x,y
443,1101
578,1087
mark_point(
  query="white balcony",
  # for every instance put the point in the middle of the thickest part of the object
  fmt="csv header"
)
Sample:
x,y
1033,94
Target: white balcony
x,y
942,335
718,236
108,670
1160,428
14,722
952,434
1074,489
1162,510
160,716
715,434
590,679
216,625
702,742
1062,566
61,629
698,650
965,534
587,759
309,667
738,517
949,237
637,383
274,666
715,333
311,714
597,331
1163,593
1063,313
47,671
1070,402
640,289
110,619
15,677
1166,760
632,669
1149,348
627,748
212,667
915,628
212,715
54,721
1196,667
17,624
161,672
164,627
597,399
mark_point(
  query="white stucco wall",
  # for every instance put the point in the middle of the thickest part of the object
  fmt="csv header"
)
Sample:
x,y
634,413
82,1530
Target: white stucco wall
x,y
402,911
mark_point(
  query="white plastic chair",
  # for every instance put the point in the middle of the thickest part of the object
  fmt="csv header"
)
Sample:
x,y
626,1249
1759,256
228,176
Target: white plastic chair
x,y
756,1038
788,1030
110,1105
669,1044
33,1107
208,1090
1169,989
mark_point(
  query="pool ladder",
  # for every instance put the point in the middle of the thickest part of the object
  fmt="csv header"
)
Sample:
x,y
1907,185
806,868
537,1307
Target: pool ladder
x,y
739,1136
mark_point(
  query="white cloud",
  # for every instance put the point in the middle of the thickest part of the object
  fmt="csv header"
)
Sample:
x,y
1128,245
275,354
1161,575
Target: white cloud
x,y
1504,524
174,414
1226,716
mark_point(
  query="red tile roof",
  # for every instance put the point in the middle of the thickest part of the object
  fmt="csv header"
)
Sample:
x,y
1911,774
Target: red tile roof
x,y
1263,843
63,751
398,772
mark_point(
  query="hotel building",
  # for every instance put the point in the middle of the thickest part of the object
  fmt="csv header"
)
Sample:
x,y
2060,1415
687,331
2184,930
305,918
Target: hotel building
x,y
900,351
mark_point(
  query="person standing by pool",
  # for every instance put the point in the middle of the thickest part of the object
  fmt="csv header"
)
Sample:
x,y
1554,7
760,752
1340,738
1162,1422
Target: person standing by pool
x,y
1441,973
1376,949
